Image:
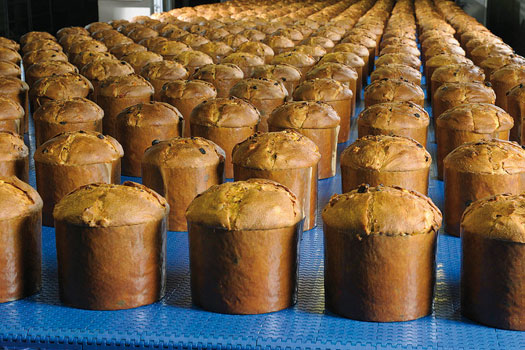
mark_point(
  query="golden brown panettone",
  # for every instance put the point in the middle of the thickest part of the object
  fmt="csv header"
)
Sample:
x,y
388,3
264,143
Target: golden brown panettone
x,y
100,245
86,57
122,50
216,50
264,94
11,116
493,249
469,122
35,45
286,157
493,63
393,90
96,26
71,30
10,55
443,60
386,239
516,108
170,49
456,73
385,160
73,159
139,125
99,70
117,93
42,55
330,91
14,155
193,60
59,87
349,59
222,76
359,50
46,69
287,74
454,94
403,118
245,61
6,42
35,35
504,79
180,169
16,90
9,69
279,43
403,49
316,120
59,116
162,72
396,71
315,51
398,58
150,43
477,170
141,33
21,246
140,59
90,45
263,220
116,40
225,121
257,48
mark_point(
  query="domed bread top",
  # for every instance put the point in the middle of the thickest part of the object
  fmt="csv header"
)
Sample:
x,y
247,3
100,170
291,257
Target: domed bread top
x,y
230,112
259,88
10,55
458,73
510,72
332,70
61,87
447,59
466,91
496,62
496,157
152,113
294,58
86,57
170,48
304,115
105,68
71,30
382,210
10,69
394,89
189,89
178,152
348,58
43,55
166,70
358,49
5,42
216,48
193,58
10,110
75,110
394,115
399,58
315,51
28,37
243,59
396,71
500,217
322,89
109,205
32,46
12,85
275,151
256,48
139,59
281,72
79,148
481,118
12,146
90,45
517,91
132,85
386,153
17,199
218,71
255,204
48,68
279,41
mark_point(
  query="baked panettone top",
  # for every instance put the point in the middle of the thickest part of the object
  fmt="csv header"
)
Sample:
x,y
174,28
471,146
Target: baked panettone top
x,y
396,71
125,49
48,68
222,71
189,89
12,85
382,211
243,59
216,48
12,146
10,69
322,89
481,118
61,87
517,92
193,58
101,69
30,36
460,72
10,109
357,49
79,148
394,115
332,70
280,72
398,58
230,112
139,59
304,115
132,85
165,70
170,48
315,51
347,58
110,205
386,153
511,73
465,92
86,57
33,46
17,199
74,110
294,58
276,151
256,48
500,217
496,157
445,60
43,55
189,152
387,90
255,204
89,45
259,88
5,42
150,114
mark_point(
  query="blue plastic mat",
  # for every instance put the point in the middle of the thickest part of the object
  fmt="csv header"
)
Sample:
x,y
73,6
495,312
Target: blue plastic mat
x,y
42,322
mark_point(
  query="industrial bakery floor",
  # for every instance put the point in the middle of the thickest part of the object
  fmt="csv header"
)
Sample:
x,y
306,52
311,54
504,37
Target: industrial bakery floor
x,y
42,322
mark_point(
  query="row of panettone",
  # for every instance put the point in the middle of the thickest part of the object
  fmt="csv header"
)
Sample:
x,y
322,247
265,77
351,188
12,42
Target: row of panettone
x,y
248,213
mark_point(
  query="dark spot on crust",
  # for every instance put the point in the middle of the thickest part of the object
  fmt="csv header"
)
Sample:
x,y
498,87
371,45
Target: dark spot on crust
x,y
487,83
276,84
155,142
363,188
417,115
202,150
45,150
419,145
283,79
100,136
81,132
62,123
254,87
467,203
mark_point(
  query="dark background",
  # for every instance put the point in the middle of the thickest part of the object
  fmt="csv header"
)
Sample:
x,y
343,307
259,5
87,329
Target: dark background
x,y
505,18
